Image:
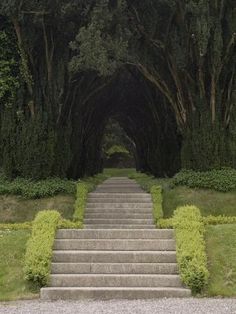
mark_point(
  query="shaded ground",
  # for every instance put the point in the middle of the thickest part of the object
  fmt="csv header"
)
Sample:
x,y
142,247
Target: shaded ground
x,y
17,209
160,306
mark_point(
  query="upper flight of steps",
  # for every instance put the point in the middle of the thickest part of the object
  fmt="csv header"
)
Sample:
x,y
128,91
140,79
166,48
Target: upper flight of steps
x,y
119,254
119,203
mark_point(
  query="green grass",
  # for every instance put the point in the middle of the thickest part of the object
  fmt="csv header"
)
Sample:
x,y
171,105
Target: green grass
x,y
12,283
115,172
18,209
209,202
221,252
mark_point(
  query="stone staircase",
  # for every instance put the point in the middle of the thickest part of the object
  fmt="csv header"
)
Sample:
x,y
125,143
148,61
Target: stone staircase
x,y
119,254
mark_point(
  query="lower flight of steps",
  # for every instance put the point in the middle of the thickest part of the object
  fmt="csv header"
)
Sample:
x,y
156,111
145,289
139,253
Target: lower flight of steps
x,y
119,254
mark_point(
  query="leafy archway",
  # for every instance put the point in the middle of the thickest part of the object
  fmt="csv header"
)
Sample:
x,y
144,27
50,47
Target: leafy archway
x,y
165,69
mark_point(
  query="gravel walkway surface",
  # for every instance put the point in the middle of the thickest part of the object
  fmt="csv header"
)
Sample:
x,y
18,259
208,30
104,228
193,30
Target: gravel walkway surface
x,y
172,306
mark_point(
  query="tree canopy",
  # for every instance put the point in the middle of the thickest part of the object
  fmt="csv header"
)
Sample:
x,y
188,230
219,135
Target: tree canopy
x,y
164,69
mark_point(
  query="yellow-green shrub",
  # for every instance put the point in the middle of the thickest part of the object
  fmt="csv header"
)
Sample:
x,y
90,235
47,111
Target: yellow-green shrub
x,y
166,223
68,224
191,253
39,247
219,220
81,198
156,192
16,226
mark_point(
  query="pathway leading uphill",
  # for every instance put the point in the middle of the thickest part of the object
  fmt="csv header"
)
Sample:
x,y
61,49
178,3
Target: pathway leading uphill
x,y
119,254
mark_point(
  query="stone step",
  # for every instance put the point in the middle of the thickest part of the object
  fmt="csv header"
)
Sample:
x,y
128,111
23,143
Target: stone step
x,y
106,293
111,280
131,195
114,234
118,215
128,211
119,221
114,244
119,205
114,256
115,226
120,190
118,200
114,268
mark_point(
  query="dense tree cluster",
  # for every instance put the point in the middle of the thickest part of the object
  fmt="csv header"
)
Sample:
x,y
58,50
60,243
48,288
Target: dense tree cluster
x,y
164,69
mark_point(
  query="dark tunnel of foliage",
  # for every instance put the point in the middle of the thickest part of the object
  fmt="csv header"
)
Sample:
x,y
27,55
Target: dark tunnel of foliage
x,y
165,70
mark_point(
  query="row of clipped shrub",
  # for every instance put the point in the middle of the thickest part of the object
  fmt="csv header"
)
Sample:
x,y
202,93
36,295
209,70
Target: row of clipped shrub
x,y
190,247
208,220
151,185
40,245
30,189
83,188
222,180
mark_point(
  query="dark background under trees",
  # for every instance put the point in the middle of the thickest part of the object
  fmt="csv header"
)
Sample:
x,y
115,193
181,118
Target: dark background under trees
x,y
164,70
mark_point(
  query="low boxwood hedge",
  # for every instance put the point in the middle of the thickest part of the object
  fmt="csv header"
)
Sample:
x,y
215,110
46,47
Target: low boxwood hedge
x,y
156,192
222,180
190,247
39,247
16,226
81,199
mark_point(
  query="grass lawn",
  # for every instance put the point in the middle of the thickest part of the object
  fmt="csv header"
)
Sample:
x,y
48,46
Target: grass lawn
x,y
17,209
210,202
221,252
12,283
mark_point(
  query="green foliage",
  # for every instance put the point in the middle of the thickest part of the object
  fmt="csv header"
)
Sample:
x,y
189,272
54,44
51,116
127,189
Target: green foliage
x,y
39,247
191,255
9,72
117,149
166,223
97,49
219,220
81,199
220,180
156,192
30,189
83,188
16,226
68,224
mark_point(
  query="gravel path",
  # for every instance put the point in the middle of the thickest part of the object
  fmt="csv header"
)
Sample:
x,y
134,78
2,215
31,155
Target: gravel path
x,y
165,306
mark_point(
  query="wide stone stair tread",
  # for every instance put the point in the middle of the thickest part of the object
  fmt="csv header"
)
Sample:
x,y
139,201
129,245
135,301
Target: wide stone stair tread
x,y
114,234
111,280
107,293
114,268
115,226
119,254
114,244
114,256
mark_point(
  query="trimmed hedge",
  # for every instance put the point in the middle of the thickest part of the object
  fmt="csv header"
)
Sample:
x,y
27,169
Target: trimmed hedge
x,y
80,202
30,189
166,223
39,247
219,220
208,220
156,192
191,251
83,188
222,180
68,224
16,226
